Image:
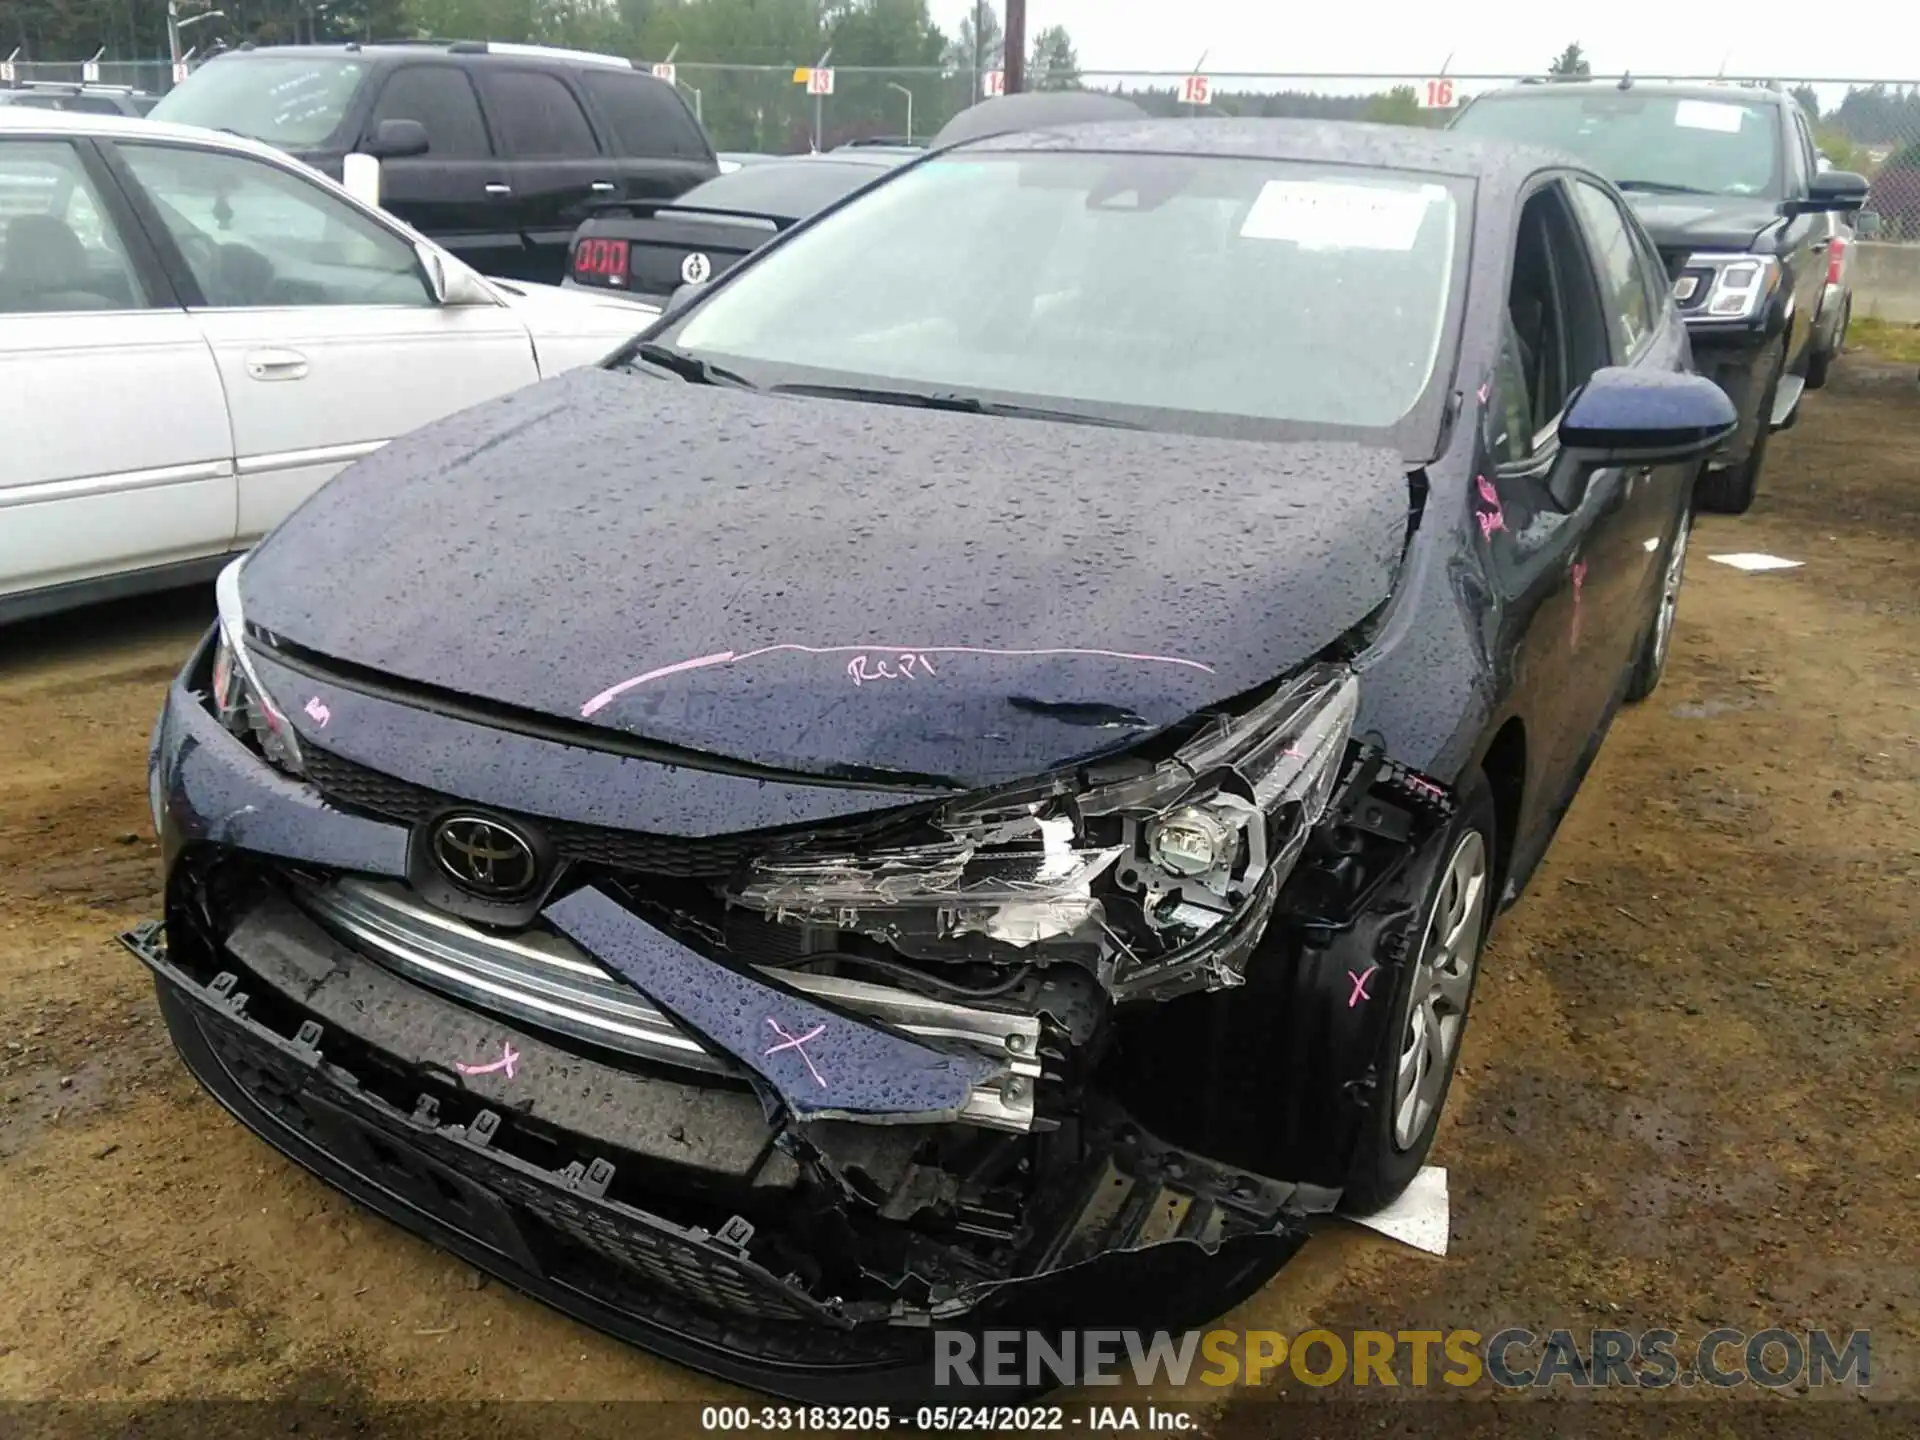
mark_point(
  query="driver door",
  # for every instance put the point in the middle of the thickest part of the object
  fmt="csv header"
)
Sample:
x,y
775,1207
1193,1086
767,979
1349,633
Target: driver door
x,y
326,336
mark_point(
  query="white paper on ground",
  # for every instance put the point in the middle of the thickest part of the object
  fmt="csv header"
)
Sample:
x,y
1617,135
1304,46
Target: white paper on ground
x,y
1419,1217
1749,560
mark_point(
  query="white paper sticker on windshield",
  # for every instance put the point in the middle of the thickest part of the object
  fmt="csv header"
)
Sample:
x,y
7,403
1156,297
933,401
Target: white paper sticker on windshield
x,y
1709,115
1323,214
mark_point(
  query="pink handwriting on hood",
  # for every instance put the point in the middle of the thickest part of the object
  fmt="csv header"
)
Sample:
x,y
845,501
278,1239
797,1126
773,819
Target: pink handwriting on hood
x,y
508,1057
798,1044
320,713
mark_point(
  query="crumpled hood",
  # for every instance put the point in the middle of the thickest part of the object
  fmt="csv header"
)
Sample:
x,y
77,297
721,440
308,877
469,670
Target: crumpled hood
x,y
1704,222
831,587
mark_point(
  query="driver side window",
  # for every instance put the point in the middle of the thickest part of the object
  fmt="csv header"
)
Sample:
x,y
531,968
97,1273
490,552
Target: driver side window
x,y
1556,332
255,235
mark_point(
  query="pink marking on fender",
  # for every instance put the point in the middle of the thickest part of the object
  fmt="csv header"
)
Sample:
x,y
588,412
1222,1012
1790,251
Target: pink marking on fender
x,y
1360,985
1490,521
320,713
1579,578
798,1044
1487,492
1486,389
729,657
508,1055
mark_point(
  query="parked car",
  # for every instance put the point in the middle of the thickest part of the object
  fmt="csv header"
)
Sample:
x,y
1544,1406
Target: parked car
x,y
496,151
1835,314
88,98
1727,182
196,331
894,805
652,250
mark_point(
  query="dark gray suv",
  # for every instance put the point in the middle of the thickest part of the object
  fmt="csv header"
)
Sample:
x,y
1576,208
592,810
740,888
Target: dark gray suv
x,y
1728,183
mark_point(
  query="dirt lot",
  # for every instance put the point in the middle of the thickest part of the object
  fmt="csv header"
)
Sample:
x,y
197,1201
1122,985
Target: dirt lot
x,y
1691,1093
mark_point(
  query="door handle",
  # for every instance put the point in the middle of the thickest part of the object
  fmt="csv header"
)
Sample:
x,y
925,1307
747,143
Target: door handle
x,y
496,188
603,187
276,365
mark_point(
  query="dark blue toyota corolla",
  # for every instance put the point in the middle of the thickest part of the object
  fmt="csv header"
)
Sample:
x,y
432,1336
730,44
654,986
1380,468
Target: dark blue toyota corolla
x,y
961,779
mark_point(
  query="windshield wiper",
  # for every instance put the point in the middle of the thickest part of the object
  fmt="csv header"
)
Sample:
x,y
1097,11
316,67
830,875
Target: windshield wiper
x,y
690,368
1659,187
954,401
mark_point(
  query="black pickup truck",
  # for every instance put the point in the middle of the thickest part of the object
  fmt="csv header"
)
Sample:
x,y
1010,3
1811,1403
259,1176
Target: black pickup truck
x,y
1728,184
497,151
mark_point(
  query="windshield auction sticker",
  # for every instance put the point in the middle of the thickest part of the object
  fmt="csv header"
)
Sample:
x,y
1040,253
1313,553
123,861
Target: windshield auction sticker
x,y
1334,215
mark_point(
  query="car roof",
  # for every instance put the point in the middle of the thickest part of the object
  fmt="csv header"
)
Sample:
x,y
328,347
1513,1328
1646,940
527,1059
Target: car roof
x,y
1341,142
1732,92
25,120
456,50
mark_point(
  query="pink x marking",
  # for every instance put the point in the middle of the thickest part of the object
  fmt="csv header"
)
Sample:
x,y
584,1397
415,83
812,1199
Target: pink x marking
x,y
1360,985
797,1043
507,1056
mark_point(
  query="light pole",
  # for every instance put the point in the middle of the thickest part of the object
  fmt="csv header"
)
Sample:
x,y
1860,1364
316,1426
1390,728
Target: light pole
x,y
895,85
175,25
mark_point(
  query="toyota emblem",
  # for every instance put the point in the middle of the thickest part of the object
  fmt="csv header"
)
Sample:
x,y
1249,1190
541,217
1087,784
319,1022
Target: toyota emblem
x,y
696,269
485,857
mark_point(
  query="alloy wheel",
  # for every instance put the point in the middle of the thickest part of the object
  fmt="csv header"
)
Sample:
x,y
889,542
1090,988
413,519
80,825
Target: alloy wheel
x,y
1442,983
1670,593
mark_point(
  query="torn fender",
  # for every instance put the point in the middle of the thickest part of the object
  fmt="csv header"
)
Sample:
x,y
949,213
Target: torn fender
x,y
822,1064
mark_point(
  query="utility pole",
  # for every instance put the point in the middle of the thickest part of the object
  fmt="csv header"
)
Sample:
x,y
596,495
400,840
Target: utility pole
x,y
1016,33
979,47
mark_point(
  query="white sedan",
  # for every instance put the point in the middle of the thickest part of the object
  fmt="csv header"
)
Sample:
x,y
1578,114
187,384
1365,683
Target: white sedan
x,y
196,332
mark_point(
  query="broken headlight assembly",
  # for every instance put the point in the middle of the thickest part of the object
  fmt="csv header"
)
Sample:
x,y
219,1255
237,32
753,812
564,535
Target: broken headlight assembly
x,y
240,702
1159,876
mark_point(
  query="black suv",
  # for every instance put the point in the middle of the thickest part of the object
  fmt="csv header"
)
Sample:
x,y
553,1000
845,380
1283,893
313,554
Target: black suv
x,y
1727,181
85,98
496,151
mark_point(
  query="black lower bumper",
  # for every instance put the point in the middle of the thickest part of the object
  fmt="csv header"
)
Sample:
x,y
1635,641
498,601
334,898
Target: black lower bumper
x,y
1742,364
558,1228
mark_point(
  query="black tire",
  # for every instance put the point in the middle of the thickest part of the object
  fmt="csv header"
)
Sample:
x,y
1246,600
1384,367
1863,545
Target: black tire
x,y
1731,491
1820,363
1651,663
1385,1159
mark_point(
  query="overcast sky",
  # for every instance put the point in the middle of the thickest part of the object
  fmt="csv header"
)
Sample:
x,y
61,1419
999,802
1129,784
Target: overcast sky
x,y
1784,39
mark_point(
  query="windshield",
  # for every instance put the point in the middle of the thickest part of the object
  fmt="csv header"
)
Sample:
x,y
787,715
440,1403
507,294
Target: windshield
x,y
1252,296
1708,147
294,102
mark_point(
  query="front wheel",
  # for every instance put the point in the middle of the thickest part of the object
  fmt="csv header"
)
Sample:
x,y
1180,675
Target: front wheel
x,y
1731,491
1431,999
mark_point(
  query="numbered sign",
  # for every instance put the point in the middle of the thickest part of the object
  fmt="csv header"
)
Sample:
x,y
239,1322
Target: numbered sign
x,y
1196,90
666,72
1435,94
179,72
993,83
819,82
90,72
6,72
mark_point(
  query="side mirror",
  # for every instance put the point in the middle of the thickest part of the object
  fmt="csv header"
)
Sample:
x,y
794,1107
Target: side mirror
x,y
1831,190
451,283
396,140
1631,417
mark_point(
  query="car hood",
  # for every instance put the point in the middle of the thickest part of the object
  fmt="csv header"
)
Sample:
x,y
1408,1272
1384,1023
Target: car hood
x,y
573,327
1685,223
827,587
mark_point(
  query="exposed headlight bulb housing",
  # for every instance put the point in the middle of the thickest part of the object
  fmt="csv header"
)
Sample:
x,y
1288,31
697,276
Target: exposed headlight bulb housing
x,y
1192,842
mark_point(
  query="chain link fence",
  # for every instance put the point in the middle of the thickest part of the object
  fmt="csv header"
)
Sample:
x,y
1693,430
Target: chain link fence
x,y
1872,127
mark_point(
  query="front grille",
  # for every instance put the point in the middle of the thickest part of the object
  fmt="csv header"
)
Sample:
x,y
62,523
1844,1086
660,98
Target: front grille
x,y
347,782
544,980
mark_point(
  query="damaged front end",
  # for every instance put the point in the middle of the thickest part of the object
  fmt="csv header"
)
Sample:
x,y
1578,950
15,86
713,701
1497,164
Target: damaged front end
x,y
780,1106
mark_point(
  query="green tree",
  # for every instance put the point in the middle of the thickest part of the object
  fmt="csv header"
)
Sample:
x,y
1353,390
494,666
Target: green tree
x,y
1398,106
1054,65
1572,62
980,43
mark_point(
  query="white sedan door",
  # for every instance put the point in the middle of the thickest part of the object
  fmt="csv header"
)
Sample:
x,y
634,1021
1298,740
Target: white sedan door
x,y
116,454
327,335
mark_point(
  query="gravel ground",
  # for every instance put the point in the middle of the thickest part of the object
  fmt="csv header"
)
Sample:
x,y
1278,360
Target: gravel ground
x,y
1688,1097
